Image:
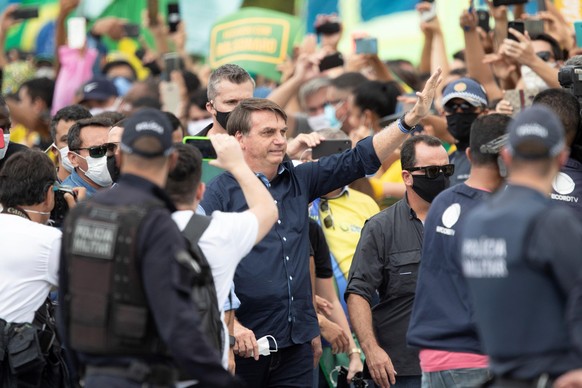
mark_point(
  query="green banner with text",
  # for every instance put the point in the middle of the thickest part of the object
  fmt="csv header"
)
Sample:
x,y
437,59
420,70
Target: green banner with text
x,y
254,38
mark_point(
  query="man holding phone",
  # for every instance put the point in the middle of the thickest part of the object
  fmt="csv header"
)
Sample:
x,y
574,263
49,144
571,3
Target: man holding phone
x,y
273,282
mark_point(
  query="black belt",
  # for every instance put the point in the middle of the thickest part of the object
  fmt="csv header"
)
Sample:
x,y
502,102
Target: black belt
x,y
156,375
542,381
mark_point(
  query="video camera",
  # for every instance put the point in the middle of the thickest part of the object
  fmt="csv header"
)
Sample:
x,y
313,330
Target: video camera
x,y
570,78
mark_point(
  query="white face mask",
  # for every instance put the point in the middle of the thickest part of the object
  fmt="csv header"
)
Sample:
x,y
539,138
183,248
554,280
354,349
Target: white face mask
x,y
6,142
319,122
194,127
97,171
531,80
65,162
265,347
110,108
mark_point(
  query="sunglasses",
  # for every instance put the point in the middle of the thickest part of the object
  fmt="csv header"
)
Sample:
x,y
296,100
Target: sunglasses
x,y
432,172
544,55
100,151
328,219
464,106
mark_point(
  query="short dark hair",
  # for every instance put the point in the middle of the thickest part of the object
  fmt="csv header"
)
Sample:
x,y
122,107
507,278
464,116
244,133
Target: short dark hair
x,y
379,97
229,72
40,88
184,178
68,113
110,116
485,129
175,121
25,178
408,150
119,63
240,118
74,135
565,106
348,81
199,98
556,51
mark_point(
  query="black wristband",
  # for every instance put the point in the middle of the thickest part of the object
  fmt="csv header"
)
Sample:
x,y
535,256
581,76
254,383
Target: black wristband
x,y
404,125
231,340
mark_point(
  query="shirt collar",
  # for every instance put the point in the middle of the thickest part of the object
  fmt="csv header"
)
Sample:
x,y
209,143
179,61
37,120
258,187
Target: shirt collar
x,y
411,212
264,178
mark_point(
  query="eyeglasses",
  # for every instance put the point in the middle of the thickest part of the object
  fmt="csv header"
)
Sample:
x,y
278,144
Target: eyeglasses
x,y
432,172
328,219
544,55
100,151
464,106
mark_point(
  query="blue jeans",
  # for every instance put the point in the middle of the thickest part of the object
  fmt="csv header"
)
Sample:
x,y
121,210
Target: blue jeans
x,y
456,378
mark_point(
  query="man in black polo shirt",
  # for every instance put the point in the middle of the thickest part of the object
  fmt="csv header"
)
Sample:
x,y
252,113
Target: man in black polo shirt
x,y
520,253
387,259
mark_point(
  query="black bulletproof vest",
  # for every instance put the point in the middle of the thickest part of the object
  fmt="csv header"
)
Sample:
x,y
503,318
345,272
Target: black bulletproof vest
x,y
507,288
105,302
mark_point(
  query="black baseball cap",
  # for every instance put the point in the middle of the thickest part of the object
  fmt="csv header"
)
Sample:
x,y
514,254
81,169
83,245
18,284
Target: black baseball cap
x,y
147,122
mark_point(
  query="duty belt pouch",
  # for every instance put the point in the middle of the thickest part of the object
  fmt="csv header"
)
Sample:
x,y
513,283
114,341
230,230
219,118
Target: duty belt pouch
x,y
24,353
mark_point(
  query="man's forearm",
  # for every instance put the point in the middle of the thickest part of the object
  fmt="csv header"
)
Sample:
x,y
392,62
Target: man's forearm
x,y
361,318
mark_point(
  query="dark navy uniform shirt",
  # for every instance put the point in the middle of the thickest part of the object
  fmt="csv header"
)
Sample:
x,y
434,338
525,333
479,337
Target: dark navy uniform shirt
x,y
272,281
442,315
567,187
174,312
521,256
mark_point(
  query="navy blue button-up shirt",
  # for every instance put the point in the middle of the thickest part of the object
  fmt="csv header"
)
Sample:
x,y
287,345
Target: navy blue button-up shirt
x,y
272,281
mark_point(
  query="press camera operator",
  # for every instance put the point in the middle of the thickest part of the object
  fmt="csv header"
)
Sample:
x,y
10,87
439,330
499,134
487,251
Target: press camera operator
x,y
30,354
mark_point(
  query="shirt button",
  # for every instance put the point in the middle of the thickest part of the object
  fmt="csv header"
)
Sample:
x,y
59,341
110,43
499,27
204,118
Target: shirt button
x,y
279,222
292,298
290,319
287,258
284,238
290,277
275,201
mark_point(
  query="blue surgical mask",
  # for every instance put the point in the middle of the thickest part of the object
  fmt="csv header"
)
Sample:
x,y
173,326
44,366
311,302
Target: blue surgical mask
x,y
330,115
122,85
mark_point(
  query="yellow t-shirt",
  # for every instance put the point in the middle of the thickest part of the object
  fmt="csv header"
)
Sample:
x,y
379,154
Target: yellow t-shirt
x,y
393,174
349,213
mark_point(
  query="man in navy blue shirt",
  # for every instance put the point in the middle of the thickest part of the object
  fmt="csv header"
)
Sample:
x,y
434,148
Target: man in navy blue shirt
x,y
273,281
441,325
567,186
520,254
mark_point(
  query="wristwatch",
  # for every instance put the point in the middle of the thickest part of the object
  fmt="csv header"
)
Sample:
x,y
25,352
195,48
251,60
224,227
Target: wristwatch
x,y
231,340
355,350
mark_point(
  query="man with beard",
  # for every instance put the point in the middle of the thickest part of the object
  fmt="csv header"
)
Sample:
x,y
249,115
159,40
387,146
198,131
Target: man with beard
x,y
463,100
386,261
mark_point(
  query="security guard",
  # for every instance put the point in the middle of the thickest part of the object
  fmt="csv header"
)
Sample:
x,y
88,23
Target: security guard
x,y
126,277
520,253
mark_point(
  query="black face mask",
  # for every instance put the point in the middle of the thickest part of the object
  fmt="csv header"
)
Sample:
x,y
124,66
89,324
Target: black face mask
x,y
222,118
459,125
428,189
112,168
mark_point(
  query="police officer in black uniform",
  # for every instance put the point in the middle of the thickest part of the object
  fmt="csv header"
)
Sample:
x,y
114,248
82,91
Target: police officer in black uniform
x,y
126,276
521,257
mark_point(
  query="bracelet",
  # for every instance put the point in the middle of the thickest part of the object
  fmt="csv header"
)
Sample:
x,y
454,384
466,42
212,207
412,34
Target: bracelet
x,y
355,350
404,128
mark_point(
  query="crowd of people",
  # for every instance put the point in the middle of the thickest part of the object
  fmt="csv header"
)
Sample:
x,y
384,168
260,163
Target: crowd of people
x,y
440,249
